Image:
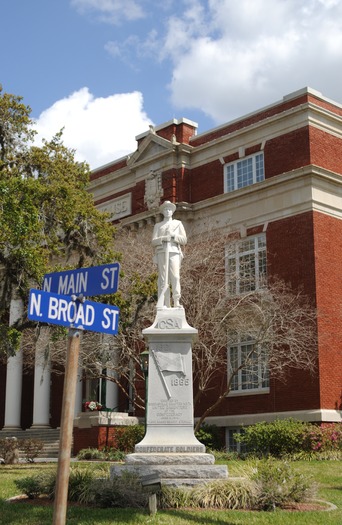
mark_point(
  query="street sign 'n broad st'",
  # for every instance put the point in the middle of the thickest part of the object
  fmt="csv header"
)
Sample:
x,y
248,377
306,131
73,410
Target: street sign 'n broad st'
x,y
63,310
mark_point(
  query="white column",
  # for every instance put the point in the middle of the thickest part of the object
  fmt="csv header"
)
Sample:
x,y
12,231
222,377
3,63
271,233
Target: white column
x,y
112,391
14,375
42,377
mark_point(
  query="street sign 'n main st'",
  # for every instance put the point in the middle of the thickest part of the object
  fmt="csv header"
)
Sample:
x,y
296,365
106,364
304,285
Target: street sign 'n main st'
x,y
95,280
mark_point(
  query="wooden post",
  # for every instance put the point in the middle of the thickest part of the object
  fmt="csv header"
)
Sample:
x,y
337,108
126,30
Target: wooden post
x,y
68,407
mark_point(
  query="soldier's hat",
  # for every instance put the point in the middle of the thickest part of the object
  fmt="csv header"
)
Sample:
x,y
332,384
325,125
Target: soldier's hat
x,y
167,204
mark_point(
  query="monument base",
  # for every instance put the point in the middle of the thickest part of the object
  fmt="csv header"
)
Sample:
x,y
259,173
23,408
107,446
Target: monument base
x,y
177,470
170,450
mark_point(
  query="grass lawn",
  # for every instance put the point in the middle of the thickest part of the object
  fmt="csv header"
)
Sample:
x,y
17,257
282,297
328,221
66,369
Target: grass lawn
x,y
328,474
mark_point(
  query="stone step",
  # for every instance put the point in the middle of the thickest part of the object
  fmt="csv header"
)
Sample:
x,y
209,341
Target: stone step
x,y
175,474
50,437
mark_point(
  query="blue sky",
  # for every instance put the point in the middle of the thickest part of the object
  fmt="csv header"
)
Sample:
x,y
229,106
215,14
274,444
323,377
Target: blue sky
x,y
106,69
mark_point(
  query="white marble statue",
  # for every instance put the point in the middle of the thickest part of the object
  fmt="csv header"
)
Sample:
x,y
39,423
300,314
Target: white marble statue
x,y
168,237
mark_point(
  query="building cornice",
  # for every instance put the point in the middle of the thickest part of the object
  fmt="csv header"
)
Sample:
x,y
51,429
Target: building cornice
x,y
312,416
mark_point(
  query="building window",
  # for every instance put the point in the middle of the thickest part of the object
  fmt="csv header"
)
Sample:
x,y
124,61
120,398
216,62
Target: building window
x,y
244,172
248,367
246,265
231,443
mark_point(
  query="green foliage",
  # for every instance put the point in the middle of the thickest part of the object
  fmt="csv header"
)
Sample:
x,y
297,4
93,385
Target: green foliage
x,y
128,437
277,438
80,482
264,485
46,213
175,498
210,436
10,339
230,494
91,453
324,438
108,454
113,454
31,486
37,485
279,484
225,456
123,491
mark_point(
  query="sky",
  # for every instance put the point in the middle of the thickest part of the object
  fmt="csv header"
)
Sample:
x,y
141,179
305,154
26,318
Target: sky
x,y
104,70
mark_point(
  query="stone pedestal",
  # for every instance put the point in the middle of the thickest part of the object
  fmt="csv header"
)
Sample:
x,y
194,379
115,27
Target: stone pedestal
x,y
170,449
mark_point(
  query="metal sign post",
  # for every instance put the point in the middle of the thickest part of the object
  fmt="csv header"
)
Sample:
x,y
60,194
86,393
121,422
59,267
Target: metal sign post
x,y
68,407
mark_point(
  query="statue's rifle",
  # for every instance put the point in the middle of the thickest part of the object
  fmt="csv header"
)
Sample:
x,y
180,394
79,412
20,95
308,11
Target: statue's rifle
x,y
161,298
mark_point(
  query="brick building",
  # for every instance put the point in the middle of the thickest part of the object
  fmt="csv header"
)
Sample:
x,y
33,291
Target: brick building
x,y
276,175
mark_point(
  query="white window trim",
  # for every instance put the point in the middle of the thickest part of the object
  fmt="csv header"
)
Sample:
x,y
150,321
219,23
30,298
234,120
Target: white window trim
x,y
238,255
248,391
235,164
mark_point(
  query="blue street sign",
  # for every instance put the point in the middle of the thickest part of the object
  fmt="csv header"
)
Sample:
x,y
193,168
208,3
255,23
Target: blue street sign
x,y
62,310
95,280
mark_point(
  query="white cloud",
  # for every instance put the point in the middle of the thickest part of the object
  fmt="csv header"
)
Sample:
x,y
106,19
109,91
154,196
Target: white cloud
x,y
234,57
110,11
99,129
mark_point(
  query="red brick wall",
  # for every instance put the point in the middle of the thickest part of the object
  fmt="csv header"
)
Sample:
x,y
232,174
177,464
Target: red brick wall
x,y
328,254
287,152
115,166
291,257
290,252
95,437
206,181
183,132
326,150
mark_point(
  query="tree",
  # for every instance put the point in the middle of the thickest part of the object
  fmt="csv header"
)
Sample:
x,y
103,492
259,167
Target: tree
x,y
279,322
48,220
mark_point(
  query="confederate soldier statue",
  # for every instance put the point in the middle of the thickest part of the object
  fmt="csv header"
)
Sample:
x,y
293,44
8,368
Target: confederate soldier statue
x,y
168,237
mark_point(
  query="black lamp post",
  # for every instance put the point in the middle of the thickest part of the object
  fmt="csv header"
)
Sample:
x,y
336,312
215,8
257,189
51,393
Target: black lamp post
x,y
144,362
144,357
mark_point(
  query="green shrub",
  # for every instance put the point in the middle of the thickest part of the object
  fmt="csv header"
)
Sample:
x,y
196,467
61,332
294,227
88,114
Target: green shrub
x,y
225,494
279,484
91,453
221,455
113,454
38,485
210,436
128,437
31,486
107,454
277,438
174,497
121,492
80,482
324,438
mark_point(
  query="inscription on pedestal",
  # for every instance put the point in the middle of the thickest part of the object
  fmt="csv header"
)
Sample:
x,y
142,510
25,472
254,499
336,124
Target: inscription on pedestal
x,y
169,449
172,412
